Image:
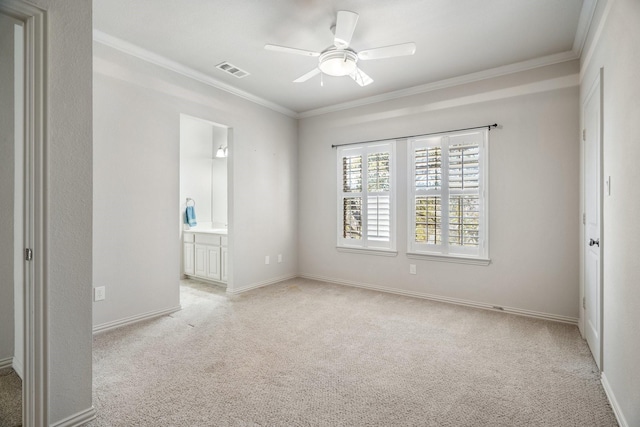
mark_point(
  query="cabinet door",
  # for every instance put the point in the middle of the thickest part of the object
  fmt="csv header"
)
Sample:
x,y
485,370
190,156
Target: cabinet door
x,y
189,268
213,262
224,253
201,260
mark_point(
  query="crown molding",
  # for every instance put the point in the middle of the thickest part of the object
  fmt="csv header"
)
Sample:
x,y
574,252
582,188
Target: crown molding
x,y
598,28
447,83
584,24
161,61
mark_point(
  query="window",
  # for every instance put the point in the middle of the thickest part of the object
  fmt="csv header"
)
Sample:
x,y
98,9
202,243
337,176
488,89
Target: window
x,y
448,200
366,197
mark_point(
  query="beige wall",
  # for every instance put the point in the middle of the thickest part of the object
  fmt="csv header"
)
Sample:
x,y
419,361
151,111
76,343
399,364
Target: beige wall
x,y
68,197
137,203
614,47
534,190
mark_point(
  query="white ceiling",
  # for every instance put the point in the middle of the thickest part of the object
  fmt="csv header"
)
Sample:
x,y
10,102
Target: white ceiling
x,y
453,38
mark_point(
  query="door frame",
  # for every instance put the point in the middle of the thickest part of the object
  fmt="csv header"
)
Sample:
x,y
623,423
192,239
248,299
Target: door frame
x,y
597,86
35,392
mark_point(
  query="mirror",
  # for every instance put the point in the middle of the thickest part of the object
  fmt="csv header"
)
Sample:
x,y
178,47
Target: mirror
x,y
12,279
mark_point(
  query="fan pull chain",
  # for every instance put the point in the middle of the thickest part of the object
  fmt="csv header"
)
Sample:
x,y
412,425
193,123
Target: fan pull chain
x,y
322,79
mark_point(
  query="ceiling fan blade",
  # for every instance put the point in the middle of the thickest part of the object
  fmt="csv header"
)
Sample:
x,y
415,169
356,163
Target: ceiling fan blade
x,y
361,77
388,51
285,49
345,26
307,76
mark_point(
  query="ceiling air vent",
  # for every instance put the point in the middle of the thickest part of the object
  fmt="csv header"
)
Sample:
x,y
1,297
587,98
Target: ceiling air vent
x,y
232,69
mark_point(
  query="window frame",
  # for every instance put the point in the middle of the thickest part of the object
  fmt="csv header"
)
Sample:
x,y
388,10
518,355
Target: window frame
x,y
444,251
365,244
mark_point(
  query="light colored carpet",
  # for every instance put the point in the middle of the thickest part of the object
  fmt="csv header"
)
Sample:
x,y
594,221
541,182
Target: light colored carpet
x,y
10,398
305,353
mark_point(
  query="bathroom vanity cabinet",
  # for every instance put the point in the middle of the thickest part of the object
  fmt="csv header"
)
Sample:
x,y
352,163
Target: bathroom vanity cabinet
x,y
205,255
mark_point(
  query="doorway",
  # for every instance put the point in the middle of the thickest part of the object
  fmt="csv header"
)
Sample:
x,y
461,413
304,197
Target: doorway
x,y
204,182
12,187
593,241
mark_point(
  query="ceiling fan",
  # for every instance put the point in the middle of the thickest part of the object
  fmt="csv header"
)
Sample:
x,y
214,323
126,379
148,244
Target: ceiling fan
x,y
339,59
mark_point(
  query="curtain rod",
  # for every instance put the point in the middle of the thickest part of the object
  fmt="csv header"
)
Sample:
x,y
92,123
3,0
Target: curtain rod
x,y
495,125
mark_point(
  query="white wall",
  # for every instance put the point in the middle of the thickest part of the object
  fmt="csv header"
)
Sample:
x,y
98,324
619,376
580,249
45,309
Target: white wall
x,y
614,46
7,174
69,210
196,160
533,174
137,191
219,180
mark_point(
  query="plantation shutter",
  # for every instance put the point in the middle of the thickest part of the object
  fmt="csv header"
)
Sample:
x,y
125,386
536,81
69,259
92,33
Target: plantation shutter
x,y
448,194
352,197
366,199
464,197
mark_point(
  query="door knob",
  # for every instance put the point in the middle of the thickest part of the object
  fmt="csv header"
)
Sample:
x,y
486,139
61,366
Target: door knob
x,y
594,242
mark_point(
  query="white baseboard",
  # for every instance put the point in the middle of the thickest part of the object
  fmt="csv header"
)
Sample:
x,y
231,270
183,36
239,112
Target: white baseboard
x,y
612,400
77,419
18,367
260,284
134,319
457,301
7,362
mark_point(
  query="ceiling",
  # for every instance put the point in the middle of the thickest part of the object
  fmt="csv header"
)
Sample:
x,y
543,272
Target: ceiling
x,y
453,39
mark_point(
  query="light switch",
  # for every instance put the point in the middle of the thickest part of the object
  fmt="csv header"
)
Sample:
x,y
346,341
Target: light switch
x,y
412,269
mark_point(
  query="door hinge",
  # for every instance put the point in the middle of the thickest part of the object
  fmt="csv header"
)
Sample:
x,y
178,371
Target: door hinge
x,y
28,254
584,219
584,303
584,134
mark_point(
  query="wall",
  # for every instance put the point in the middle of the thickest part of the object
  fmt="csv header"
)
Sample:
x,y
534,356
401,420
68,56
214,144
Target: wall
x,y
137,107
7,159
219,181
533,174
614,46
203,177
196,154
68,196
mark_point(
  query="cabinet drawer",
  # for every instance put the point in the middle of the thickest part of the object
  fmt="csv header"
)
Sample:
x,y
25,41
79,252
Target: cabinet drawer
x,y
208,239
188,238
223,240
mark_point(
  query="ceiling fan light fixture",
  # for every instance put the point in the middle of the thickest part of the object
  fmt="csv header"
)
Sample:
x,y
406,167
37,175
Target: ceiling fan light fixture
x,y
338,62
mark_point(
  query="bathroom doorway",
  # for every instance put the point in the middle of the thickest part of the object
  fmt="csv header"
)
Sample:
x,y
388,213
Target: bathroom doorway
x,y
205,149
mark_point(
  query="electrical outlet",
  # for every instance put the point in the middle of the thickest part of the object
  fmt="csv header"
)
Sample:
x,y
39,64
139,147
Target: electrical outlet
x,y
279,258
99,293
266,259
412,269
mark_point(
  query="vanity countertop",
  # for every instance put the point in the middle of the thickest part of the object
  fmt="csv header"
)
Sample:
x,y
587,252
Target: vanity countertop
x,y
222,231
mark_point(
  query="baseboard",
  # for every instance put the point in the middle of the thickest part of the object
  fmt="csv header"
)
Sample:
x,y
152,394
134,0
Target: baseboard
x,y
103,327
18,367
261,284
6,362
77,419
457,301
613,402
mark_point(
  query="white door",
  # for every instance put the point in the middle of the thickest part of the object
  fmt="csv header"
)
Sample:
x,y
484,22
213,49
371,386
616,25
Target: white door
x,y
592,302
213,264
201,260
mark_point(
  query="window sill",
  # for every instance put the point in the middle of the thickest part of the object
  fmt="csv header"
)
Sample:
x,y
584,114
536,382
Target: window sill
x,y
459,259
368,251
